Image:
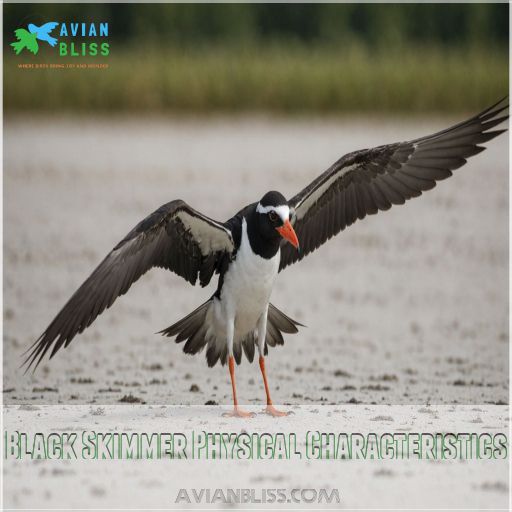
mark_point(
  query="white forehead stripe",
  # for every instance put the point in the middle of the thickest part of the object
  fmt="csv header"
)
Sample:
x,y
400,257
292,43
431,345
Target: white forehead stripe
x,y
283,211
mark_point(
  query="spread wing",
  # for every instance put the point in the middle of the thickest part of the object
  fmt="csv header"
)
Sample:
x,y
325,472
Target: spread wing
x,y
48,27
22,34
175,237
368,181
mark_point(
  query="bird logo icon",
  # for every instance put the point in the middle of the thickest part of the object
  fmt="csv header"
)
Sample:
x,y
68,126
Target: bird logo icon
x,y
28,38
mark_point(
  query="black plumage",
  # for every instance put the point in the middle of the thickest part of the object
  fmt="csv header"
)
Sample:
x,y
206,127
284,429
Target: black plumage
x,y
367,181
164,239
178,238
192,328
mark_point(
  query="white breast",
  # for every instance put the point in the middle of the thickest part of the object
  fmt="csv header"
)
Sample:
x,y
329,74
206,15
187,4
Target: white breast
x,y
247,287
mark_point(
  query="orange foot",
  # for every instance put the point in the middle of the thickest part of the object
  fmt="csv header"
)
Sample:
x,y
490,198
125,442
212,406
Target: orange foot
x,y
272,411
238,413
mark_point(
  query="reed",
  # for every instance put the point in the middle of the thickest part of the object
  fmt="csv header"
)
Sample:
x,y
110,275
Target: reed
x,y
280,79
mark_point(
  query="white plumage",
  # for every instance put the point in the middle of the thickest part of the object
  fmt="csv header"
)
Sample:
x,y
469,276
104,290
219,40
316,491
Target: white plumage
x,y
245,294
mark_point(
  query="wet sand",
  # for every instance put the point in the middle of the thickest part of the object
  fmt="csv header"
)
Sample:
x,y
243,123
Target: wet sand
x,y
394,480
406,307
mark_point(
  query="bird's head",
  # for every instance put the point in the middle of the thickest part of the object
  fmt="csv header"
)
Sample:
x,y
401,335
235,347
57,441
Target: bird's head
x,y
275,217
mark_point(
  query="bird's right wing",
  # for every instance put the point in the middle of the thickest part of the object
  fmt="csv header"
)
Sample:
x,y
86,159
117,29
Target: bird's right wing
x,y
48,27
175,237
371,180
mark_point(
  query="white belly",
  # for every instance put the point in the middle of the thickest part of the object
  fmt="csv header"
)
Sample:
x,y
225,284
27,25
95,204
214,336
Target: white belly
x,y
246,290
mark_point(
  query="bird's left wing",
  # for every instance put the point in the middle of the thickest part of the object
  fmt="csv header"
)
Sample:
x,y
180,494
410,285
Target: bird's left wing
x,y
47,27
21,34
367,181
175,237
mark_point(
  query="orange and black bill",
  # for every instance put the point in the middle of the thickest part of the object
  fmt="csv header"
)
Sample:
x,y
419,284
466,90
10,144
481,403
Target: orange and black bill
x,y
288,233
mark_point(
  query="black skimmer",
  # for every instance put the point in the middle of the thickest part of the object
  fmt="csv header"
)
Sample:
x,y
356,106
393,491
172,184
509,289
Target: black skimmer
x,y
250,249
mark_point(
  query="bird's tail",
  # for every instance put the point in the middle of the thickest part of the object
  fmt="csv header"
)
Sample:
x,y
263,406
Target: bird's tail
x,y
278,322
195,329
51,41
192,328
18,46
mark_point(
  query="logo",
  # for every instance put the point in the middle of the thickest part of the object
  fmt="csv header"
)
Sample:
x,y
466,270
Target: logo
x,y
28,38
77,39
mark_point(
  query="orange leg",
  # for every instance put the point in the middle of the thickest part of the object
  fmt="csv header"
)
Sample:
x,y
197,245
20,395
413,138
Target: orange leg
x,y
270,409
237,412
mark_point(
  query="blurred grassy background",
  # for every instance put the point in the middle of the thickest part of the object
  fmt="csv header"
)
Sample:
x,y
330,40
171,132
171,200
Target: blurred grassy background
x,y
314,58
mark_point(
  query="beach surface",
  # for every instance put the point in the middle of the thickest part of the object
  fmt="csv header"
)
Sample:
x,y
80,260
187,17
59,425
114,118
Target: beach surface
x,y
409,306
372,456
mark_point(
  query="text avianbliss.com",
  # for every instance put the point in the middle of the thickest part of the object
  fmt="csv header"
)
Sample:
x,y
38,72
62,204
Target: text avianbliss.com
x,y
256,496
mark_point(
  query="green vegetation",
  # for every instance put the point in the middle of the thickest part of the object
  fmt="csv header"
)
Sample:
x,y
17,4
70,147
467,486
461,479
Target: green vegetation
x,y
293,79
303,58
314,23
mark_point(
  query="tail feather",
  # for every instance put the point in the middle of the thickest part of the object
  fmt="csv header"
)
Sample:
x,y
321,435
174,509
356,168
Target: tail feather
x,y
196,342
237,352
249,344
196,318
274,336
281,321
194,329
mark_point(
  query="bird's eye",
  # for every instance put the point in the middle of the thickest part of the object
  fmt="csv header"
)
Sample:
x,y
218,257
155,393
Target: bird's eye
x,y
272,215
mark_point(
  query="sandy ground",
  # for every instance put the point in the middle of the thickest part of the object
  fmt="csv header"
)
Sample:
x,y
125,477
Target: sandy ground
x,y
409,306
389,483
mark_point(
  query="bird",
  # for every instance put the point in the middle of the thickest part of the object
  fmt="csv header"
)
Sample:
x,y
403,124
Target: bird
x,y
248,251
25,40
43,32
